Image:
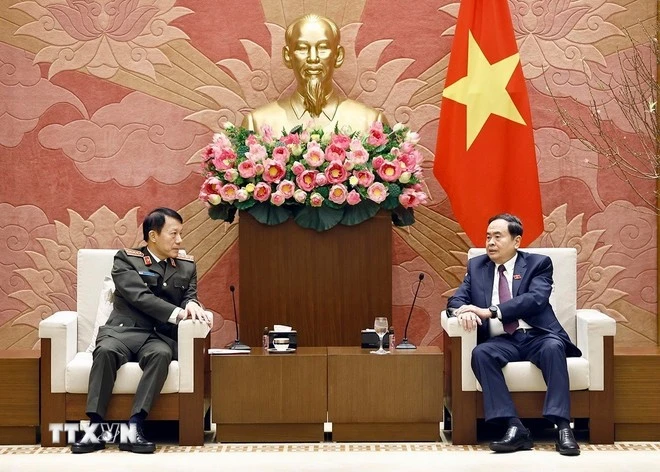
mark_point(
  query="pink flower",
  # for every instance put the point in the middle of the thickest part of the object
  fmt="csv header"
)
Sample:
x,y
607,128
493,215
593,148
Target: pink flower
x,y
261,192
377,192
259,168
389,171
377,162
247,169
410,198
256,153
297,168
307,180
365,177
228,192
290,139
341,141
338,194
316,200
353,198
273,171
300,196
267,133
314,155
286,188
359,156
412,137
251,140
335,173
409,160
277,198
376,135
242,195
321,180
221,140
281,153
223,158
231,175
334,153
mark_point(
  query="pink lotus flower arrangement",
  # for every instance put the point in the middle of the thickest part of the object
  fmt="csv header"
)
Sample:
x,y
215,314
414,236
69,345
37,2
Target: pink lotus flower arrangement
x,y
320,179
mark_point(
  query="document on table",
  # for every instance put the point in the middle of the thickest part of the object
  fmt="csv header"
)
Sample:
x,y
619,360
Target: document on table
x,y
217,350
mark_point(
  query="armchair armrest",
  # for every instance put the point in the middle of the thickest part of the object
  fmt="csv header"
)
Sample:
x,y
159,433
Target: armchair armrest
x,y
592,326
468,343
62,329
189,330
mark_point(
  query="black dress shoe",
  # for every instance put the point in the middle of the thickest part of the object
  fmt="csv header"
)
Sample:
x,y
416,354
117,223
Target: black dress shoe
x,y
515,439
566,443
141,444
80,447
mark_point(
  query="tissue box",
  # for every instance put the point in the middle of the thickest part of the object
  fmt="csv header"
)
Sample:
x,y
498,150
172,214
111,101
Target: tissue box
x,y
369,339
292,335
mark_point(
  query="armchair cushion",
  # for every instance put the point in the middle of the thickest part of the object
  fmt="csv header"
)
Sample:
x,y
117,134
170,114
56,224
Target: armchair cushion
x,y
105,308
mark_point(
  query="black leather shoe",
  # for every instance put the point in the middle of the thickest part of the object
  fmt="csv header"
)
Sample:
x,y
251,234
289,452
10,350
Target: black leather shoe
x,y
566,443
141,444
515,439
80,447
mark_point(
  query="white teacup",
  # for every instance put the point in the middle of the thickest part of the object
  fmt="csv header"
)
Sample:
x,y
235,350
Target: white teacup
x,y
281,344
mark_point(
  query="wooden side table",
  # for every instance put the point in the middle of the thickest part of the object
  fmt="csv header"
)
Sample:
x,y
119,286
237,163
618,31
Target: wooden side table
x,y
19,396
264,397
393,397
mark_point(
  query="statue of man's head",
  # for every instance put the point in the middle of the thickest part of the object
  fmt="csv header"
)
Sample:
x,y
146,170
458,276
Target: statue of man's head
x,y
313,52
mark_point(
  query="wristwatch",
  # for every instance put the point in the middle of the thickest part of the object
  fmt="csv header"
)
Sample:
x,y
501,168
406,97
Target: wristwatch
x,y
493,311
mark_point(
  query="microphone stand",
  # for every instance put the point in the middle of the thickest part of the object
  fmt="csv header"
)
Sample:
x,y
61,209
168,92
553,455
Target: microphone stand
x,y
237,345
405,344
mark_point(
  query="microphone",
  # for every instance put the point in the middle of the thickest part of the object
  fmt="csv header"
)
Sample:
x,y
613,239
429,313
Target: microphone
x,y
405,344
237,345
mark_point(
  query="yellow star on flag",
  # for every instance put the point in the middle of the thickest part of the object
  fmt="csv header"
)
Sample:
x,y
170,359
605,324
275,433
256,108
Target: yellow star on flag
x,y
483,90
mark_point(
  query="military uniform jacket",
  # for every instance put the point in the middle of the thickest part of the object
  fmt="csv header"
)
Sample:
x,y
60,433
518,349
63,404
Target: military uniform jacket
x,y
146,295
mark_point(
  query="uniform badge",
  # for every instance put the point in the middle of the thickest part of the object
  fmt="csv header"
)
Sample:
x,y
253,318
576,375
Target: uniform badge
x,y
517,276
147,260
173,262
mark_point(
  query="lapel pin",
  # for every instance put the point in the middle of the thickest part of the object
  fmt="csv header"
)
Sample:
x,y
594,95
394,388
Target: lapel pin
x,y
517,276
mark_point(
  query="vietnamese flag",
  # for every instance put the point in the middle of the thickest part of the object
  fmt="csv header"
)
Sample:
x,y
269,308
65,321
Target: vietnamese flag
x,y
485,158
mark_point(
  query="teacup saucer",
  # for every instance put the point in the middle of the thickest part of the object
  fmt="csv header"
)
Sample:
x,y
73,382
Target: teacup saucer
x,y
288,351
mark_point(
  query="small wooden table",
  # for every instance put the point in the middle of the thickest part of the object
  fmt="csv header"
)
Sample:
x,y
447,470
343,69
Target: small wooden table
x,y
19,396
393,397
264,397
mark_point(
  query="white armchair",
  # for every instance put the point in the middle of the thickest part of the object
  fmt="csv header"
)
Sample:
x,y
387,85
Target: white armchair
x,y
590,376
66,364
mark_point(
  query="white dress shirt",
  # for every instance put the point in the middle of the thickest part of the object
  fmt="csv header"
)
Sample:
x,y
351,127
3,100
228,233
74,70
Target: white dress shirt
x,y
495,324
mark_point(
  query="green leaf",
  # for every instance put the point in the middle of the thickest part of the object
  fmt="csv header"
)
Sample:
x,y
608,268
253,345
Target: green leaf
x,y
390,203
246,204
269,214
333,205
403,216
318,219
297,129
222,212
354,215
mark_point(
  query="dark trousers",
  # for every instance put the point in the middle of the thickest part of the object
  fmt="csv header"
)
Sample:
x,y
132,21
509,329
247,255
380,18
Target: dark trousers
x,y
154,357
545,350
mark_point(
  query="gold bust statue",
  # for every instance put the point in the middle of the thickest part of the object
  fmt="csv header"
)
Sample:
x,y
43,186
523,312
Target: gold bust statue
x,y
313,51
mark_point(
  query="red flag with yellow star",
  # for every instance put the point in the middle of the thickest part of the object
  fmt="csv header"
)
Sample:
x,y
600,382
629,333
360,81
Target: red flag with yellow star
x,y
485,157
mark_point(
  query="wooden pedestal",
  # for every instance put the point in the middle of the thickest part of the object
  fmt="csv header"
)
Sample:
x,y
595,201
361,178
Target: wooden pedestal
x,y
19,396
328,285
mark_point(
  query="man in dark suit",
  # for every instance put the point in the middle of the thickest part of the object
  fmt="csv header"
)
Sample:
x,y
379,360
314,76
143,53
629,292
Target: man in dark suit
x,y
506,296
155,288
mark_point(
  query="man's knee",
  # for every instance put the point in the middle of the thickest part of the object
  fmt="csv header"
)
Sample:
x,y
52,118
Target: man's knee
x,y
161,355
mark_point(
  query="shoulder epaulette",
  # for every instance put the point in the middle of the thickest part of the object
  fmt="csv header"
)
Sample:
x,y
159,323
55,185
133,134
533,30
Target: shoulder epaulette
x,y
186,257
134,252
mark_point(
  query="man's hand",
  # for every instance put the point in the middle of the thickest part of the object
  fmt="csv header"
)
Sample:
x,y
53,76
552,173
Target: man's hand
x,y
470,316
197,313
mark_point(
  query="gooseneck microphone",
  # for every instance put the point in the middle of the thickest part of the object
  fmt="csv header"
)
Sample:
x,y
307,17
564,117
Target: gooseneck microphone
x,y
405,344
237,344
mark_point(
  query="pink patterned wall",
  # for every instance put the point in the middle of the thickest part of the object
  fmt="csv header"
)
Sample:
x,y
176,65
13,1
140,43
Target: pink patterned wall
x,y
106,103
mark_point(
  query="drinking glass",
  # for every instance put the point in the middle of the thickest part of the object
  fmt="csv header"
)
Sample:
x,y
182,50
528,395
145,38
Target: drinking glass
x,y
381,327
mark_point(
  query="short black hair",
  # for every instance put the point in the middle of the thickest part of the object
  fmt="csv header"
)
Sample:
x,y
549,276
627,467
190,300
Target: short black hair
x,y
155,220
515,226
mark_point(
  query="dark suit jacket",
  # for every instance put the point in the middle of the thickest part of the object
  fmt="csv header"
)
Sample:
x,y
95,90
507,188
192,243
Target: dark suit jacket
x,y
146,295
531,295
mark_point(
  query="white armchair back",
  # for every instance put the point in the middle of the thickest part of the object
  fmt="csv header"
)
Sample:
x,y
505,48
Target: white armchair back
x,y
564,292
93,266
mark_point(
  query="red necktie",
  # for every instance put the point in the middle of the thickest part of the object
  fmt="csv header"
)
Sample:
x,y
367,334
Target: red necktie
x,y
505,296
